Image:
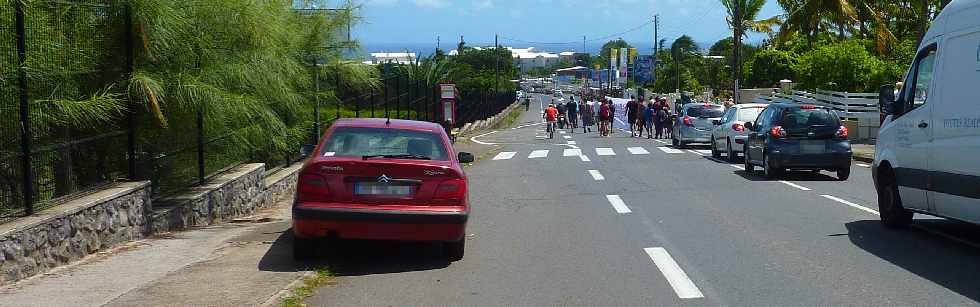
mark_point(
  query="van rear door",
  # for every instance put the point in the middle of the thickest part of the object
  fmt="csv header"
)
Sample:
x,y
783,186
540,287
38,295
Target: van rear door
x,y
955,158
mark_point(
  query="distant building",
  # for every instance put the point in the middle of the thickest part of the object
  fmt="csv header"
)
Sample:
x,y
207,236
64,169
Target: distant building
x,y
577,72
392,57
529,58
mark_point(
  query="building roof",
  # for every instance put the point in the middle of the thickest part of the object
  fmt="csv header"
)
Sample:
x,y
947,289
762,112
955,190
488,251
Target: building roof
x,y
576,68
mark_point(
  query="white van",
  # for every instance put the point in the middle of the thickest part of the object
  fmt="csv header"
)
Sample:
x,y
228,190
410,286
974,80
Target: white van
x,y
927,159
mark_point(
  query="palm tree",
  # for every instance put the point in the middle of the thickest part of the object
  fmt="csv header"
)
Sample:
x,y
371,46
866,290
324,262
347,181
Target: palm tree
x,y
742,17
811,17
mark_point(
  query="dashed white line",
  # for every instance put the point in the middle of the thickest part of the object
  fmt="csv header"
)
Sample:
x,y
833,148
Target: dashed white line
x,y
862,165
802,188
566,137
585,158
670,150
638,151
694,152
572,152
605,151
683,285
572,143
474,138
562,131
538,154
855,206
704,151
507,155
618,204
739,167
661,141
596,175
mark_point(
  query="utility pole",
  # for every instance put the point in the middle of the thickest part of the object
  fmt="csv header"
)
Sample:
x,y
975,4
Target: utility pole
x,y
438,42
656,43
496,64
584,50
737,49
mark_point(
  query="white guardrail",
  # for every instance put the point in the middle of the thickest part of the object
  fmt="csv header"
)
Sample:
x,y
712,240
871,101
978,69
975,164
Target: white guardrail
x,y
854,106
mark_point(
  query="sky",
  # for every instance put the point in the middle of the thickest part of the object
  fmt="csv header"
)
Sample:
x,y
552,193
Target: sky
x,y
540,23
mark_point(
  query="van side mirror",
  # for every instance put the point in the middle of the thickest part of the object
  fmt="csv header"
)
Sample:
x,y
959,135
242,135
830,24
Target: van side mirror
x,y
306,151
465,157
886,99
749,126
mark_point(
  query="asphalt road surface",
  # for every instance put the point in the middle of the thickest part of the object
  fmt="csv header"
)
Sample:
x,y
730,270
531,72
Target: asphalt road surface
x,y
585,221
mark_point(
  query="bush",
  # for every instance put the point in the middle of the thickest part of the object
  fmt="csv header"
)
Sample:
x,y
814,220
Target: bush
x,y
845,66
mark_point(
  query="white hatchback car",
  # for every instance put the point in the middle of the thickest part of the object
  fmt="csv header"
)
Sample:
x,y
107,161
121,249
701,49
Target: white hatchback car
x,y
729,134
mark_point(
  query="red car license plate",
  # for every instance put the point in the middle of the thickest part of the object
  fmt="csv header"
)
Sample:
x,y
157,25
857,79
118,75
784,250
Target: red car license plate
x,y
381,189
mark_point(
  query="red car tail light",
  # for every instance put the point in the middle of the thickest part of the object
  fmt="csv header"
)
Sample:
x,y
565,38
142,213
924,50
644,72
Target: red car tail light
x,y
777,132
738,127
841,133
451,192
312,187
808,107
687,121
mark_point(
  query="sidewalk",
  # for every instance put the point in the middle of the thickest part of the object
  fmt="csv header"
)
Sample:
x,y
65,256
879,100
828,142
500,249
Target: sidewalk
x,y
863,152
238,264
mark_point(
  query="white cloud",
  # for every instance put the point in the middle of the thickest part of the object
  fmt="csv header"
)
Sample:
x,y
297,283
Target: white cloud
x,y
432,3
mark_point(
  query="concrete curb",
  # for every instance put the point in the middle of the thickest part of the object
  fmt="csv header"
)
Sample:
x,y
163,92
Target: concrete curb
x,y
862,158
276,299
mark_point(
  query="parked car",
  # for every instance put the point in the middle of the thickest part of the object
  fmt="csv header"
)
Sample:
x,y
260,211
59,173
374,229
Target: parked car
x,y
694,123
382,179
729,134
926,156
798,137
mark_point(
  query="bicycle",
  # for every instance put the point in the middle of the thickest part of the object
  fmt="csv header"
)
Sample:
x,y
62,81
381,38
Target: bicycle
x,y
551,129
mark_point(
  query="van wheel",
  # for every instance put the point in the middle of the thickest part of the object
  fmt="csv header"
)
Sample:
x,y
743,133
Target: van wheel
x,y
893,215
454,250
843,173
304,249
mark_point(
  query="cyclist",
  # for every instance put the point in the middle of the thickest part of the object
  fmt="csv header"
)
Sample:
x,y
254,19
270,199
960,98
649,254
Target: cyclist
x,y
551,116
527,103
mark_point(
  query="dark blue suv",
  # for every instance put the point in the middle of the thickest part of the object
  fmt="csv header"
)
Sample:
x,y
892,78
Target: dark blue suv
x,y
798,137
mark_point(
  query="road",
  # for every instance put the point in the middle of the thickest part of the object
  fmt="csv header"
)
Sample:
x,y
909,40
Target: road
x,y
619,221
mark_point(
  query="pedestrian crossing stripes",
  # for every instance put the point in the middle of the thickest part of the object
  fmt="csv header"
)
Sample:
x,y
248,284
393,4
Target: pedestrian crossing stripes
x,y
605,151
507,155
538,154
638,151
566,137
575,151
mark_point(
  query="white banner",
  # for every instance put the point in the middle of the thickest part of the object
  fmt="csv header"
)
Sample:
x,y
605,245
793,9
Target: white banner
x,y
623,62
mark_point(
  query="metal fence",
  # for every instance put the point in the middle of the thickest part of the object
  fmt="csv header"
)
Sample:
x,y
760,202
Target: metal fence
x,y
57,51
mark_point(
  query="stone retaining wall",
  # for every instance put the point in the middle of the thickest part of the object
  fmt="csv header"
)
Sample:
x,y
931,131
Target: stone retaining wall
x,y
124,212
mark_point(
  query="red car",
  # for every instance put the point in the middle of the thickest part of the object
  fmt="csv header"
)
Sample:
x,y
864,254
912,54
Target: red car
x,y
381,179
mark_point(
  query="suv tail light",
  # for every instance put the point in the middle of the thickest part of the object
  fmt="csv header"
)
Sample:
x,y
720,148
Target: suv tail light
x,y
841,133
312,187
450,192
738,127
777,132
687,121
808,107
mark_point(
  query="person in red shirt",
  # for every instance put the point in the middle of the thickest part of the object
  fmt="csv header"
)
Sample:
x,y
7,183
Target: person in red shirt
x,y
551,116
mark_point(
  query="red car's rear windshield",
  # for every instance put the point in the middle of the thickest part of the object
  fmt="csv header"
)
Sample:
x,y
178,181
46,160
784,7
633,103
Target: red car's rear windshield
x,y
360,142
801,118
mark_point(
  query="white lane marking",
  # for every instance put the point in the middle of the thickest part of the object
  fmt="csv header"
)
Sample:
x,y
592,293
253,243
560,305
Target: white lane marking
x,y
618,204
562,132
661,141
596,175
572,152
638,151
802,188
704,151
474,138
566,137
863,165
605,151
528,125
507,155
738,167
855,206
676,277
572,143
694,152
585,158
670,150
540,137
538,154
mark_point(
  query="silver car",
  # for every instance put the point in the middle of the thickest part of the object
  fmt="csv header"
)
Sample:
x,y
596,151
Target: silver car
x,y
695,122
729,134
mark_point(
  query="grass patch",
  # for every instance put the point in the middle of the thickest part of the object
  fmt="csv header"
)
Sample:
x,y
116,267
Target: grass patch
x,y
322,276
510,119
